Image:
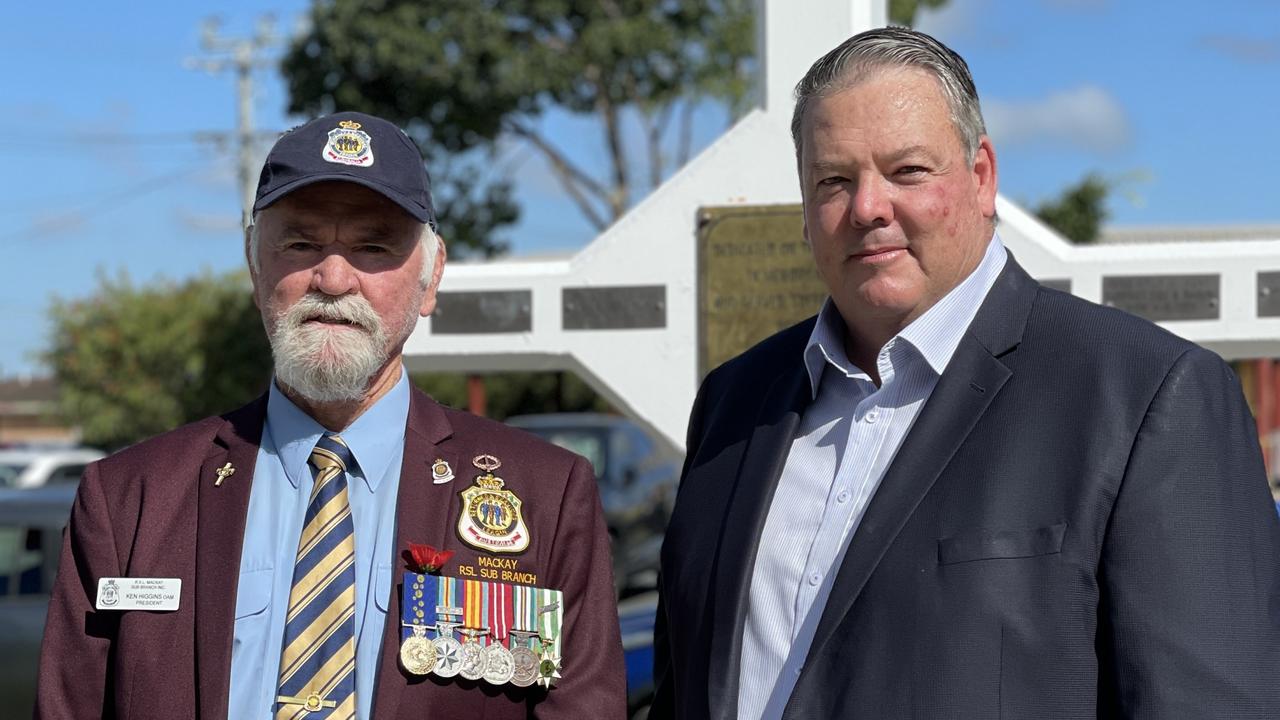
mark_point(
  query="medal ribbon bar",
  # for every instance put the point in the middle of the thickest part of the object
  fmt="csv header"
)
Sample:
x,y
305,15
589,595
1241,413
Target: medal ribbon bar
x,y
418,603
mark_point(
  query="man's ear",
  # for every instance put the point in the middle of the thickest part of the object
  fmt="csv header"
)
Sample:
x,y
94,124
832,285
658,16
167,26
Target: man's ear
x,y
437,272
248,260
985,176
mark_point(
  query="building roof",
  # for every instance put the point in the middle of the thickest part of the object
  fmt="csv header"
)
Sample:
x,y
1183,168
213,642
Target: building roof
x,y
1140,234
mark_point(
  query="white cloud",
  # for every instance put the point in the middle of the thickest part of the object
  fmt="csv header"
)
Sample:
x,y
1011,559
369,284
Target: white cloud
x,y
1087,117
1243,48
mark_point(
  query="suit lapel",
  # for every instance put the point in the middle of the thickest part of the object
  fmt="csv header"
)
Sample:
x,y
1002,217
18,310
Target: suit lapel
x,y
422,516
966,389
220,523
762,464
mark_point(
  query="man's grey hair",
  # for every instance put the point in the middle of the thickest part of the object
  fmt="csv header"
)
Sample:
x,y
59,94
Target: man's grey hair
x,y
867,53
430,246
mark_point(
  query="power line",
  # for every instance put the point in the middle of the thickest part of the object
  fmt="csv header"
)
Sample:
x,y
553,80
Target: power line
x,y
103,203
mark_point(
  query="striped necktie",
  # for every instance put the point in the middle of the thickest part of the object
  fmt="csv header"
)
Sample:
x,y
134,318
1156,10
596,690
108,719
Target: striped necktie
x,y
317,665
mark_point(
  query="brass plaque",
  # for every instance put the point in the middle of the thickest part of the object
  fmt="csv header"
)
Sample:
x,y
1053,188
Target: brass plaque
x,y
755,277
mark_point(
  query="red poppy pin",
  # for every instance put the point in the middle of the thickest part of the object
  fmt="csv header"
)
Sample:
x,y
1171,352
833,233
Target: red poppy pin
x,y
426,559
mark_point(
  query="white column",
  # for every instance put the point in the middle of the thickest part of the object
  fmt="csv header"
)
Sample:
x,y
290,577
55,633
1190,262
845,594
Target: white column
x,y
792,35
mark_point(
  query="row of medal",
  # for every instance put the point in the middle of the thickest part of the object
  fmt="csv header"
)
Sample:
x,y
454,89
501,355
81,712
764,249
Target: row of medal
x,y
509,633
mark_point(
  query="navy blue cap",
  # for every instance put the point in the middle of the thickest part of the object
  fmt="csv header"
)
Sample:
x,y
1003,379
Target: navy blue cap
x,y
349,147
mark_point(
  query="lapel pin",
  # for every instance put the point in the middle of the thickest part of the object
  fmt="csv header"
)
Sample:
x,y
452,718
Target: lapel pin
x,y
441,473
223,472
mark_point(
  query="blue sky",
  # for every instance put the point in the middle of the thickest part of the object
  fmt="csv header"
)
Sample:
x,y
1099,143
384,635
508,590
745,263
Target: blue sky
x,y
1180,105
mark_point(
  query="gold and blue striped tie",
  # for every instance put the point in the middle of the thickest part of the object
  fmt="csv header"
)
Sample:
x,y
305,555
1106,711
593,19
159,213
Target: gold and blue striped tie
x,y
317,665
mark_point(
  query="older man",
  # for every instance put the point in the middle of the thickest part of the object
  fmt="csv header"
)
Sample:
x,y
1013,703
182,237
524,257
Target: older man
x,y
956,493
250,566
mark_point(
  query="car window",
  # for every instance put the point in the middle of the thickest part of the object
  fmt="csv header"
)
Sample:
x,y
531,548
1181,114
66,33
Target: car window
x,y
589,445
28,561
9,473
66,474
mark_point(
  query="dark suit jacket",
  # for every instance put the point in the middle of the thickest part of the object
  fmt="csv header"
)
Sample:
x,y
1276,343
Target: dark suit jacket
x,y
153,511
1077,524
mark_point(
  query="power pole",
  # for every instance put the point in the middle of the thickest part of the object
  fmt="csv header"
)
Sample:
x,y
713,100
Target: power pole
x,y
243,56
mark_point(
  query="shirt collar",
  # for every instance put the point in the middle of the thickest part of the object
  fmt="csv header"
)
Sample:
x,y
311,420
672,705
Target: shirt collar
x,y
374,438
935,334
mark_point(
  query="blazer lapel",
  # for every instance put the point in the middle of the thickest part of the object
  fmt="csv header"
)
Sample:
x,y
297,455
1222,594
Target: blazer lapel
x,y
221,511
762,464
422,516
970,383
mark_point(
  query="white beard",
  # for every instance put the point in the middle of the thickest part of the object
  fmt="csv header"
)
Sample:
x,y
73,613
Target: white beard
x,y
326,364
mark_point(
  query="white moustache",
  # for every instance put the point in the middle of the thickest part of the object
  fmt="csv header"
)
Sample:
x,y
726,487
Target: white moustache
x,y
351,309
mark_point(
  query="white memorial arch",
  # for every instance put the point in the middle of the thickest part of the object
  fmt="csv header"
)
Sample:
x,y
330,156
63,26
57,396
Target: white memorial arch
x,y
622,312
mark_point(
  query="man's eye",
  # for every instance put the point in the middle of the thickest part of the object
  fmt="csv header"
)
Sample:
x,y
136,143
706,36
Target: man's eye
x,y
375,249
298,245
911,170
833,180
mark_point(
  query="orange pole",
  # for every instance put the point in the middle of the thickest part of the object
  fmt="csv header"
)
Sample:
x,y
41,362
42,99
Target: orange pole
x,y
476,400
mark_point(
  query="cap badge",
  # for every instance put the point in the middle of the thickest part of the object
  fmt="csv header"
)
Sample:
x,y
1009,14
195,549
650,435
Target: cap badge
x,y
348,145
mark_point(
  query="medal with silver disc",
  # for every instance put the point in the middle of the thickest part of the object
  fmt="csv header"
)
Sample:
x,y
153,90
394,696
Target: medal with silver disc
x,y
418,614
473,605
448,617
499,663
524,660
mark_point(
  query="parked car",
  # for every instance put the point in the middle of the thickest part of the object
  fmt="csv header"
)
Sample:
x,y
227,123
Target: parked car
x,y
31,522
636,615
28,467
638,477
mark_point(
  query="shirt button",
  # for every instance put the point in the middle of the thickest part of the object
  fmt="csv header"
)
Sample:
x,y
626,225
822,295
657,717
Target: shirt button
x,y
843,497
815,578
872,416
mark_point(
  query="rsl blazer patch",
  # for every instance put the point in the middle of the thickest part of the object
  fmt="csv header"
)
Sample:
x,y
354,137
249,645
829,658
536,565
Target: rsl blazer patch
x,y
490,519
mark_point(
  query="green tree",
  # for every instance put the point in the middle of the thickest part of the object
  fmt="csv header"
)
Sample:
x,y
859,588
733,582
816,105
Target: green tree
x,y
1078,213
461,76
132,361
903,12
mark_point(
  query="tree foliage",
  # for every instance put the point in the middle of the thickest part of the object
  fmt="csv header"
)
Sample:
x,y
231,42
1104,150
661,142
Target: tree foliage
x,y
1078,213
132,361
903,12
461,76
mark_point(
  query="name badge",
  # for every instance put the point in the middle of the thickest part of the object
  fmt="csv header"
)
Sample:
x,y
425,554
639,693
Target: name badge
x,y
138,593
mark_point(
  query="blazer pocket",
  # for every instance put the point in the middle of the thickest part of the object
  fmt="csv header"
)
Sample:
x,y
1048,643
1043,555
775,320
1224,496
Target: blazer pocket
x,y
993,544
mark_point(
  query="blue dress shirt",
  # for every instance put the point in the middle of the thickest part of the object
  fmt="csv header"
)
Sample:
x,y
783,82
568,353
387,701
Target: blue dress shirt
x,y
282,481
846,441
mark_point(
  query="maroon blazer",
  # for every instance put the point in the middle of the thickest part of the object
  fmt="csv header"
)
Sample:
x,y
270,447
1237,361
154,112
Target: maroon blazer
x,y
153,510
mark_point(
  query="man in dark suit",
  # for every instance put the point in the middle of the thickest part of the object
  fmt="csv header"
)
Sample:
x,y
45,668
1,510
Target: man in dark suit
x,y
956,493
286,521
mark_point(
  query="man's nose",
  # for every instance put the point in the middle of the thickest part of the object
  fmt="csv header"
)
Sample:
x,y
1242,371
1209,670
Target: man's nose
x,y
334,275
872,204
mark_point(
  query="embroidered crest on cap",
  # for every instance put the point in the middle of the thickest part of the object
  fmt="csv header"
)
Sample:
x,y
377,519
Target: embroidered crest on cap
x,y
348,145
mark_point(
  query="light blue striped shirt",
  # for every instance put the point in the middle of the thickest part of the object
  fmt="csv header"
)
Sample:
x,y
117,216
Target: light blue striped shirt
x,y
845,443
282,482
